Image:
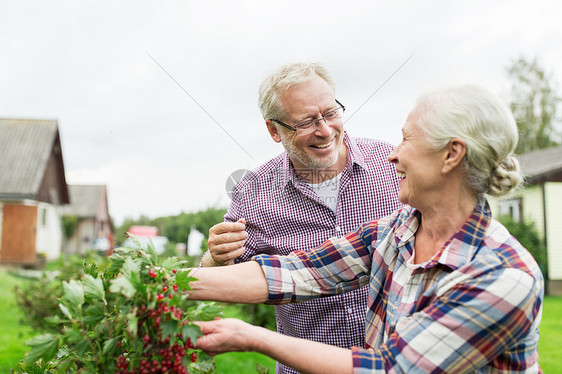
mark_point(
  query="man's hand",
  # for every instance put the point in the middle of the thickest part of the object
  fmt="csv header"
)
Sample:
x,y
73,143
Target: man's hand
x,y
226,242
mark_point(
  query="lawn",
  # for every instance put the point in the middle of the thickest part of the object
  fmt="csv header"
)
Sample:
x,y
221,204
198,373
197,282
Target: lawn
x,y
551,335
13,335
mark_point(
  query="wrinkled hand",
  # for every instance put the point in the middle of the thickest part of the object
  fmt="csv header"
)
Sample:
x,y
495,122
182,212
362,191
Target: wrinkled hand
x,y
226,241
225,335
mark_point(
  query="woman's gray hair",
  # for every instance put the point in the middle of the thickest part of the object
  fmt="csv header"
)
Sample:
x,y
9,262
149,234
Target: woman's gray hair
x,y
485,123
283,78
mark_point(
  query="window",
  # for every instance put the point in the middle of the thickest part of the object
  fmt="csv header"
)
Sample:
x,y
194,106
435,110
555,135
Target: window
x,y
44,217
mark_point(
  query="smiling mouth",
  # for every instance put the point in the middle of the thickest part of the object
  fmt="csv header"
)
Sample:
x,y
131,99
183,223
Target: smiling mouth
x,y
322,146
401,175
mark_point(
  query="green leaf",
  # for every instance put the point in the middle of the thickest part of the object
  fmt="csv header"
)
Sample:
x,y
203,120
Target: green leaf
x,y
73,293
168,328
65,311
93,288
192,332
134,239
90,268
173,263
117,262
122,285
183,279
208,311
55,320
42,346
64,366
132,325
130,266
135,279
94,313
77,342
109,346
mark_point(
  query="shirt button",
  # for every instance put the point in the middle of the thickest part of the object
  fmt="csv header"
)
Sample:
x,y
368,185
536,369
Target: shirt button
x,y
350,310
338,228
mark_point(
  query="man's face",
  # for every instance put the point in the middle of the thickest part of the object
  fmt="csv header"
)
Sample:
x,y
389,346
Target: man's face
x,y
322,149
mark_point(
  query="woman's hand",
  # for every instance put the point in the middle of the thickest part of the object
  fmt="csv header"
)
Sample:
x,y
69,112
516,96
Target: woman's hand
x,y
233,335
226,335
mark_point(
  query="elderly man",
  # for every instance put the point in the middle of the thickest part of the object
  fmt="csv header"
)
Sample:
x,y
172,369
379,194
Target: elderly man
x,y
324,185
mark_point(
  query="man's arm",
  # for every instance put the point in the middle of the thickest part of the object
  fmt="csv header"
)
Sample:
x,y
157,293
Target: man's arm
x,y
226,242
240,283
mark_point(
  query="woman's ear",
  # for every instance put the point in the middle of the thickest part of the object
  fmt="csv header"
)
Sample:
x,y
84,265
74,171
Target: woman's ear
x,y
273,132
455,152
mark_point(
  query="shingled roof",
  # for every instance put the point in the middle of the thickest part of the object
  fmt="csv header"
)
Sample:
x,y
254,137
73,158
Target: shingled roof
x,y
28,148
543,165
85,200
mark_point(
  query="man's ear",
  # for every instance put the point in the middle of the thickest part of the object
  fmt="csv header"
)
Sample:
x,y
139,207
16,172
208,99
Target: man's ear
x,y
273,131
454,154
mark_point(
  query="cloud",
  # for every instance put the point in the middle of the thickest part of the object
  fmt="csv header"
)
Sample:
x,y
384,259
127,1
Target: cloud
x,y
125,123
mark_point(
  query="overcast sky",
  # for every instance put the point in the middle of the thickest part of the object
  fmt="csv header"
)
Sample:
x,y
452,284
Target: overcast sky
x,y
157,99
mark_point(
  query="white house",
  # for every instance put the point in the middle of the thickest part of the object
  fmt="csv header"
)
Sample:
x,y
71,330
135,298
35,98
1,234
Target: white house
x,y
32,190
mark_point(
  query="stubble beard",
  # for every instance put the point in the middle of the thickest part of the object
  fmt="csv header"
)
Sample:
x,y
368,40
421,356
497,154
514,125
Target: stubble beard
x,y
307,160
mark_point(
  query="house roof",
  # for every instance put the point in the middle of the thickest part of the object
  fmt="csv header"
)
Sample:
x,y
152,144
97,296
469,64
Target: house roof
x,y
84,200
26,145
542,165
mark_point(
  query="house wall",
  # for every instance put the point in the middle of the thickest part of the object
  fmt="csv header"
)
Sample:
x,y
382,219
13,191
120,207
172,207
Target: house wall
x,y
85,235
1,218
533,207
49,231
553,192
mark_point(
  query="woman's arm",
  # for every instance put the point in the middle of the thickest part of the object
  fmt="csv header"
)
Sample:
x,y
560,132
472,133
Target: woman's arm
x,y
232,335
241,283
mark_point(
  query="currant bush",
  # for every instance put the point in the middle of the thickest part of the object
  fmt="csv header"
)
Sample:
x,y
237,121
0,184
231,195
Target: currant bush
x,y
135,317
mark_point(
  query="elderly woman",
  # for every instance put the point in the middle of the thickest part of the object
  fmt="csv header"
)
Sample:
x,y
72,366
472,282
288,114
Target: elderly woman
x,y
450,289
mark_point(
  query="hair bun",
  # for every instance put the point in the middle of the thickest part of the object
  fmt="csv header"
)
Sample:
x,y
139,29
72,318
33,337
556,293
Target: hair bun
x,y
504,177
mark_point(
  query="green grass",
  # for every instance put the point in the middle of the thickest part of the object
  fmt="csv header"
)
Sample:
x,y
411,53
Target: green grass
x,y
241,362
12,334
551,335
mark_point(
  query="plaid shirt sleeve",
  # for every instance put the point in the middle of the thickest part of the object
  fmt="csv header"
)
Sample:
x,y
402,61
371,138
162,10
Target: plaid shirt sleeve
x,y
337,266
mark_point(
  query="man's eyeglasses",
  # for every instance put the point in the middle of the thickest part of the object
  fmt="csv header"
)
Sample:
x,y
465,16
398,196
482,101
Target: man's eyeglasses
x,y
310,126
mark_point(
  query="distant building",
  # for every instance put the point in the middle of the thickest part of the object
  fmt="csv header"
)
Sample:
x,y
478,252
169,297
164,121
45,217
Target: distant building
x,y
147,236
541,202
32,190
94,230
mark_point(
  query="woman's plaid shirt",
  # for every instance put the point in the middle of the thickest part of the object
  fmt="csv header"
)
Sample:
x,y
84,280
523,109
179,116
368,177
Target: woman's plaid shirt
x,y
474,307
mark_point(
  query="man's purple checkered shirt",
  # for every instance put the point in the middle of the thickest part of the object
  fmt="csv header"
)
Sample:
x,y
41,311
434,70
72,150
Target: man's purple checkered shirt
x,y
284,214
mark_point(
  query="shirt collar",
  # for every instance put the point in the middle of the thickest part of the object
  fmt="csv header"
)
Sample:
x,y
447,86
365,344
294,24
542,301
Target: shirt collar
x,y
354,157
461,247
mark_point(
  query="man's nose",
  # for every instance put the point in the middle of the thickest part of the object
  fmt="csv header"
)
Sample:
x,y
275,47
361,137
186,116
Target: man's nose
x,y
322,127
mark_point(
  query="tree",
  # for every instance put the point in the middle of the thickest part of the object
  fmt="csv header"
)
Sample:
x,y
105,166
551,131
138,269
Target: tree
x,y
534,104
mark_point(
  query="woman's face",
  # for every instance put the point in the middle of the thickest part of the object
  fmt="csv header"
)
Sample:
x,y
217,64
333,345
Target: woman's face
x,y
418,166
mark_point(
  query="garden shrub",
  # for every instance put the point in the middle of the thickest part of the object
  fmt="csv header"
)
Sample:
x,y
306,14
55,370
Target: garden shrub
x,y
134,317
